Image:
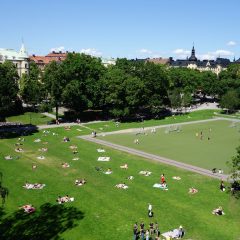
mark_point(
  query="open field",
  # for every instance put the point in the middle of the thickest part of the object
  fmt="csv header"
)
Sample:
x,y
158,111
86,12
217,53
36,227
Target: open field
x,y
184,145
108,212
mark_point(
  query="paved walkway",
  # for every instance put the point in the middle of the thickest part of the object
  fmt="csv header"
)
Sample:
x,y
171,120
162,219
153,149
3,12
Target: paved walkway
x,y
155,158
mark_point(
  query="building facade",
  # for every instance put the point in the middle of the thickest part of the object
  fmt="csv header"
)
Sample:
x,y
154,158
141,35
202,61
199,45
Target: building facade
x,y
215,66
19,59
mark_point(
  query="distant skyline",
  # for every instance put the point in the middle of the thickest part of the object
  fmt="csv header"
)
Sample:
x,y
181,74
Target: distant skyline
x,y
123,28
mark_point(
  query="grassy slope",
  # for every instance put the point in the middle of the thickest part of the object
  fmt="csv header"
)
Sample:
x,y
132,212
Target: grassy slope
x,y
185,146
110,212
30,117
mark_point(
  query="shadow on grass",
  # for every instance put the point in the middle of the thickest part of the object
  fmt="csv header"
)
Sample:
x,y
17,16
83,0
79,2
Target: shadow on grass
x,y
49,222
14,130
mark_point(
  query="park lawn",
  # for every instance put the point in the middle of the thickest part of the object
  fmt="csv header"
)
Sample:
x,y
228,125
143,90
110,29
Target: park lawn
x,y
110,213
30,118
108,126
185,147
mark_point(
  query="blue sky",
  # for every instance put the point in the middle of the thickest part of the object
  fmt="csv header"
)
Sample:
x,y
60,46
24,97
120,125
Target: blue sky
x,y
123,28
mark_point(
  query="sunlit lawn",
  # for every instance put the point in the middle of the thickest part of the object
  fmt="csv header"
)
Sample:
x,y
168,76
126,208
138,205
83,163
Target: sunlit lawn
x,y
109,213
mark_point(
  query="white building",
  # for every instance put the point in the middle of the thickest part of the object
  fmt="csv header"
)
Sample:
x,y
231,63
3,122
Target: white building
x,y
108,61
19,59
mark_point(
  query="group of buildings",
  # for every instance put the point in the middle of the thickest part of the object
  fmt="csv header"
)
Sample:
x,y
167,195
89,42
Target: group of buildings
x,y
21,60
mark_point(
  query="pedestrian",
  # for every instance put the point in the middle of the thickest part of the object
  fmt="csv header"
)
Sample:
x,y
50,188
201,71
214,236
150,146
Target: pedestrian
x,y
163,180
151,227
147,234
135,231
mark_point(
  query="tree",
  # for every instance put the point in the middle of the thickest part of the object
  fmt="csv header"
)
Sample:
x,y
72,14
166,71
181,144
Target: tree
x,y
54,83
82,74
234,166
31,89
230,100
8,88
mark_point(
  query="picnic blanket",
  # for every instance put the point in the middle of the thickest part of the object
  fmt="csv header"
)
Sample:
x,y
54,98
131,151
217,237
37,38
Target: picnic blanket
x,y
110,172
41,157
176,178
75,159
159,185
104,159
122,186
171,234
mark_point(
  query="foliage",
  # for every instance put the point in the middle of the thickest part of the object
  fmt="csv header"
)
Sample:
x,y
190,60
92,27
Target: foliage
x,y
230,100
8,88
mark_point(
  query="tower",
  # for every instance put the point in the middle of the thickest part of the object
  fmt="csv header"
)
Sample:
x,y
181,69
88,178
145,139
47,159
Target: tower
x,y
193,56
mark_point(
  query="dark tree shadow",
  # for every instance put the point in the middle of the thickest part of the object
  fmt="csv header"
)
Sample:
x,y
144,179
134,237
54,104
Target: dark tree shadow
x,y
49,222
13,130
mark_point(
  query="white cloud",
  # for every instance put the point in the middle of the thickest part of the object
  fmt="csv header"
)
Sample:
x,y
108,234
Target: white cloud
x,y
182,53
145,51
91,51
231,43
57,49
215,54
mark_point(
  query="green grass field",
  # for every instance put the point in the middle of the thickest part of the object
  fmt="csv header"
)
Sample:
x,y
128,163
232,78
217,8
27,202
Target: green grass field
x,y
185,147
30,118
108,213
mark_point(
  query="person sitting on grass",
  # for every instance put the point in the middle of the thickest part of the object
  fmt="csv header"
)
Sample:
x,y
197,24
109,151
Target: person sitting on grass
x,y
80,182
125,166
192,190
130,177
136,141
214,170
65,165
8,157
28,208
218,211
66,139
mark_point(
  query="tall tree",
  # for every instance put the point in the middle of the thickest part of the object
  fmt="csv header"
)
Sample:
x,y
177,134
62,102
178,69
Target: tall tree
x,y
31,89
230,100
8,88
54,83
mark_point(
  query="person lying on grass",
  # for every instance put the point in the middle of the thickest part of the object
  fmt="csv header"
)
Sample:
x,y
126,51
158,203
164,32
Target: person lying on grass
x,y
64,199
80,182
8,157
34,185
218,211
145,173
109,171
66,139
73,147
192,190
122,186
125,166
130,177
65,165
28,208
18,149
42,149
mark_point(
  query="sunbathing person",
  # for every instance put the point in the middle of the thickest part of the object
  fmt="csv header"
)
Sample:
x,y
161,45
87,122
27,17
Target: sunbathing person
x,y
218,211
34,186
80,182
73,147
74,151
64,199
37,140
66,139
34,166
125,166
109,171
28,208
18,149
42,149
130,178
145,173
122,186
8,157
65,165
192,190
67,128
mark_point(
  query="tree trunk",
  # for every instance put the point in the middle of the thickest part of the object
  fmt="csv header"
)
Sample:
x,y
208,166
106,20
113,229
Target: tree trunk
x,y
56,112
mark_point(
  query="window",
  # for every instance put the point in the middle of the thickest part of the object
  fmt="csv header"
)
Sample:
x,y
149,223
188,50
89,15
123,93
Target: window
x,y
26,66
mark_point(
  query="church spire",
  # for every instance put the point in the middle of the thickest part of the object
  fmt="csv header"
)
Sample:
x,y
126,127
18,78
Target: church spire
x,y
23,50
193,56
